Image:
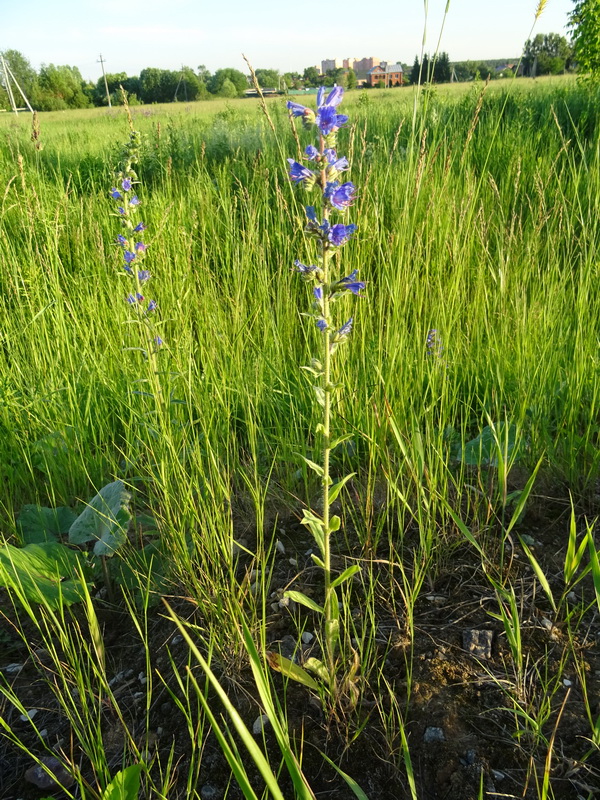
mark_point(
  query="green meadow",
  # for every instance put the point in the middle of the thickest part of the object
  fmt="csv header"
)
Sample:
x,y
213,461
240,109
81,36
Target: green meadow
x,y
472,507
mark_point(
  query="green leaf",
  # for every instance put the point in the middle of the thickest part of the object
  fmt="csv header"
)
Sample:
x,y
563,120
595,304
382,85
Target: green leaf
x,y
318,668
337,487
298,597
312,464
539,573
595,565
483,450
318,561
38,524
315,525
352,784
47,573
105,519
340,440
320,395
334,523
346,575
282,664
125,785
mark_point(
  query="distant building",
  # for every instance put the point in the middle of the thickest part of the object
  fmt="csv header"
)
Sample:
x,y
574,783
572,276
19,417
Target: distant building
x,y
348,63
362,66
390,74
331,63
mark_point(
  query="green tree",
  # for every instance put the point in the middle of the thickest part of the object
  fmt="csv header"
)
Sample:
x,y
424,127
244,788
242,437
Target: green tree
x,y
414,73
228,89
351,79
267,78
441,71
585,24
60,87
188,86
24,73
547,53
237,78
311,77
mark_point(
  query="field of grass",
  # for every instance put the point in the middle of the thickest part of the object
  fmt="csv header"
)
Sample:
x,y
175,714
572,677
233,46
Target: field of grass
x,y
477,467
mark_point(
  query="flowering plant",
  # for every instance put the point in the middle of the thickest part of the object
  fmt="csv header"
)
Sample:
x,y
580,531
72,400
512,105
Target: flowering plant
x,y
327,288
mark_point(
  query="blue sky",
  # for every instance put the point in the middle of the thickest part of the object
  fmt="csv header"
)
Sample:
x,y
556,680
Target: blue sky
x,y
133,34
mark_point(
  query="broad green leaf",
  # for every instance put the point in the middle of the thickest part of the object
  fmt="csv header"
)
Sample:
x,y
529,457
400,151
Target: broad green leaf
x,y
282,664
483,450
320,395
595,565
318,561
105,519
298,597
524,496
346,575
337,487
125,785
334,523
45,573
312,464
318,668
38,524
340,440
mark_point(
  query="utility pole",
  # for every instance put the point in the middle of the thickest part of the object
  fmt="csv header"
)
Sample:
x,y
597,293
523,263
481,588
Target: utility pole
x,y
8,74
101,61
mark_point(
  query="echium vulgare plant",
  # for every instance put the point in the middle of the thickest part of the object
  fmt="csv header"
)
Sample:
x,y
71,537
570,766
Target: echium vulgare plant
x,y
131,242
325,176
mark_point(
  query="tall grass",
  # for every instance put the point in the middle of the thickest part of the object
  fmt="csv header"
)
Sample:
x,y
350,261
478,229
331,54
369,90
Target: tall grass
x,y
481,221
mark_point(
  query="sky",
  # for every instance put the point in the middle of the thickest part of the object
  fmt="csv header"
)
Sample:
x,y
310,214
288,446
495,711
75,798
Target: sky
x,y
133,34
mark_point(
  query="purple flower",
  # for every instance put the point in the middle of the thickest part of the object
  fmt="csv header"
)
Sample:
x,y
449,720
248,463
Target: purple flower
x,y
340,197
311,152
299,173
139,227
328,120
115,194
128,269
297,109
139,298
122,240
158,341
318,293
350,284
121,211
339,165
303,268
334,98
129,256
140,247
346,328
311,213
126,184
339,234
434,343
143,275
135,201
152,305
321,324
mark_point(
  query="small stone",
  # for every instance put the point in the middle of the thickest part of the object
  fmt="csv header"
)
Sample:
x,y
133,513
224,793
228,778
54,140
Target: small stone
x,y
44,733
528,540
259,724
274,606
177,639
572,597
307,637
293,562
142,678
497,775
438,600
546,623
28,714
209,792
433,735
12,669
478,643
58,777
159,731
567,682
280,547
